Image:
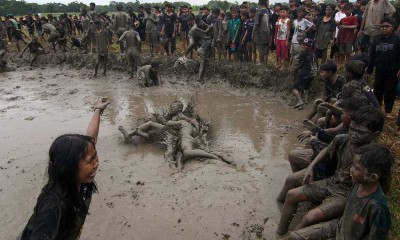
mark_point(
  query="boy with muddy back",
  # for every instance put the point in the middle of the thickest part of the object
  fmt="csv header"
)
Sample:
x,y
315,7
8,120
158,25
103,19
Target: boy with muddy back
x,y
35,49
101,38
133,46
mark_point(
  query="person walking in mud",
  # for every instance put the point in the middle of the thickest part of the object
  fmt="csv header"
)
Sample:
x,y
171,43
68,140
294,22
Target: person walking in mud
x,y
133,48
121,22
101,37
35,49
63,204
51,30
188,130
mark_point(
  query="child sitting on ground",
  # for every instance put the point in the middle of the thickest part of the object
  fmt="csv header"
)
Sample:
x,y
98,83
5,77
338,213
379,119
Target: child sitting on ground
x,y
307,71
366,215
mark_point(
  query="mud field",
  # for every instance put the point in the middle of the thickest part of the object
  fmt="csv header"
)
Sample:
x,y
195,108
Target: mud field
x,y
140,195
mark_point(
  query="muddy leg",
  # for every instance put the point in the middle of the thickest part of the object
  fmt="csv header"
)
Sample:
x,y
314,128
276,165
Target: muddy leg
x,y
292,181
105,61
127,135
293,197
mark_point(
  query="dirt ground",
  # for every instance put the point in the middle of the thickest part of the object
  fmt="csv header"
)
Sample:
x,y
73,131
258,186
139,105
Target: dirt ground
x,y
140,195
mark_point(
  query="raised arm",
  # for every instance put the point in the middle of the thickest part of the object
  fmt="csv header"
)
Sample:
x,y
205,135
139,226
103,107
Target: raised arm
x,y
94,125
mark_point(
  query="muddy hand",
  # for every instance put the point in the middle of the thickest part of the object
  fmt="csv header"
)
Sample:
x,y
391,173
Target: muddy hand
x,y
308,124
102,103
304,135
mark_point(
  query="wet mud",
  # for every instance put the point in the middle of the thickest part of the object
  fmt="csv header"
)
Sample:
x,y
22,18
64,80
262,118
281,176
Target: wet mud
x,y
140,195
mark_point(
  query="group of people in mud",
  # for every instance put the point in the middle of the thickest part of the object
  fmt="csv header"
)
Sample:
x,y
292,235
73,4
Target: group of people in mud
x,y
340,170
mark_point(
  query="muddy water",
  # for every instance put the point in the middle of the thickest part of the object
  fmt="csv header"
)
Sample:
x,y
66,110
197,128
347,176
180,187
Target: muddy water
x,y
140,195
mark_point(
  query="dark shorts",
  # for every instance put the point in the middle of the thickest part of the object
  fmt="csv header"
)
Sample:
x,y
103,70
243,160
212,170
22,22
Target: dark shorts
x,y
324,230
319,53
345,48
367,41
101,58
302,84
17,35
263,48
332,206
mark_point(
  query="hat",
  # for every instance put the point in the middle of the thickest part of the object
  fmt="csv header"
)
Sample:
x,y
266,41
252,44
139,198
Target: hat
x,y
308,41
356,67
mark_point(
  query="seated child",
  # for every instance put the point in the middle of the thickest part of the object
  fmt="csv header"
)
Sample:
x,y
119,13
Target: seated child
x,y
366,215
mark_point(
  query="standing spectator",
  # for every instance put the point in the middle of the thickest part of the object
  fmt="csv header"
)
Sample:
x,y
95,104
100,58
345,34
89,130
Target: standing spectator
x,y
283,26
234,33
346,36
274,19
358,12
185,24
325,33
373,15
385,58
168,30
160,42
301,27
262,30
141,29
338,16
248,38
151,21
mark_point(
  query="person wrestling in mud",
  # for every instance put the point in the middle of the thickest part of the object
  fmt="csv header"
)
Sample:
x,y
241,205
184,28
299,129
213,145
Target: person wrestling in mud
x,y
188,131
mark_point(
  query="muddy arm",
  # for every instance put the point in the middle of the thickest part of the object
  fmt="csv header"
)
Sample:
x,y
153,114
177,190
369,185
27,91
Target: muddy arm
x,y
94,125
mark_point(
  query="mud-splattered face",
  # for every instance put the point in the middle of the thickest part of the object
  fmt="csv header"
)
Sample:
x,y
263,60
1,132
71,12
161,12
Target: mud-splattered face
x,y
359,134
176,107
357,171
88,166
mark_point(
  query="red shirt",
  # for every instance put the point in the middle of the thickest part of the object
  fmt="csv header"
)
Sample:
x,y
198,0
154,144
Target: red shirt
x,y
347,35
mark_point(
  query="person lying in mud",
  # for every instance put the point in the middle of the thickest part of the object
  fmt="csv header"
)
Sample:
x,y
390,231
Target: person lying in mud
x,y
101,38
366,215
149,74
35,49
188,130
331,192
63,204
133,45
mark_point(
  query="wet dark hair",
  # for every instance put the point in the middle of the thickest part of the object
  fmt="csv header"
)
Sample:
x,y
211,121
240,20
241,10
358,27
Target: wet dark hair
x,y
363,57
262,2
344,1
184,6
216,11
301,9
364,2
376,159
235,9
92,4
370,117
64,155
285,8
329,66
348,6
389,20
245,14
119,7
353,104
278,4
168,5
331,6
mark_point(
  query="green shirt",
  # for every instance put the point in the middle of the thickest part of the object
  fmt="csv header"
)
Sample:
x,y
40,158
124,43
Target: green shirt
x,y
233,27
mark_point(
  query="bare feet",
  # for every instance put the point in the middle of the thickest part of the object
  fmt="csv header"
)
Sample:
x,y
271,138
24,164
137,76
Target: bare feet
x,y
124,132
